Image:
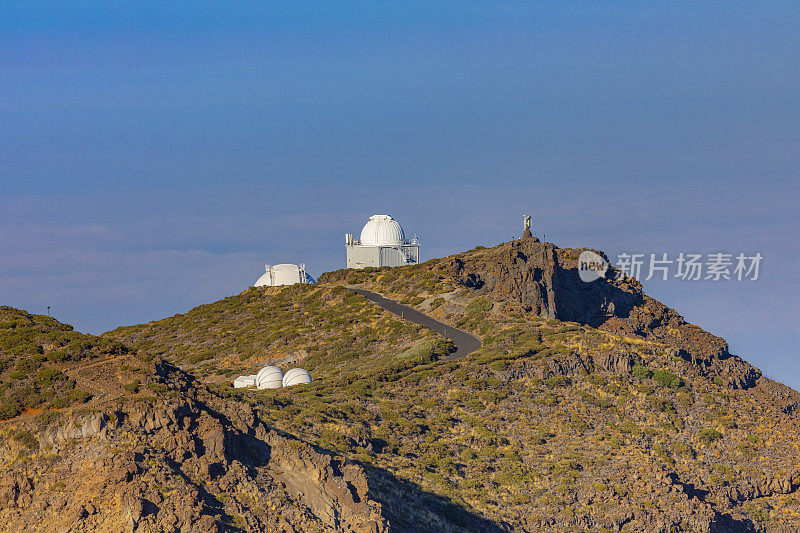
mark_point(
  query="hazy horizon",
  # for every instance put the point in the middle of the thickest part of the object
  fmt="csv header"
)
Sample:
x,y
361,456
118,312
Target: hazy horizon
x,y
154,158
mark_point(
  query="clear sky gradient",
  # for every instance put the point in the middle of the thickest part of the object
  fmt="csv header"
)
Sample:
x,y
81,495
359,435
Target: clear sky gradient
x,y
154,155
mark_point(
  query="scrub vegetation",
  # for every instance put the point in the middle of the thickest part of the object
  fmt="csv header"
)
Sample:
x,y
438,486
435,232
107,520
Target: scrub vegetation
x,y
550,422
500,434
322,329
630,419
35,351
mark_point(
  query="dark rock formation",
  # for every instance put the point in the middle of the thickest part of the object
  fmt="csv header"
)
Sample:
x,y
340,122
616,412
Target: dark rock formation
x,y
542,279
534,275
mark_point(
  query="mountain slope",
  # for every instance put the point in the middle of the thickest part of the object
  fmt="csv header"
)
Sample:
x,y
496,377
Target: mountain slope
x,y
322,329
600,406
149,448
588,407
38,356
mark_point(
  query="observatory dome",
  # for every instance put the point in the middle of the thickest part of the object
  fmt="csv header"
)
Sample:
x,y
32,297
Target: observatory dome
x,y
382,230
283,274
269,377
296,376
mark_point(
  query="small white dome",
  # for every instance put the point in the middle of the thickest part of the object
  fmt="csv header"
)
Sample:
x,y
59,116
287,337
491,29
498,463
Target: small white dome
x,y
382,230
296,376
283,274
269,377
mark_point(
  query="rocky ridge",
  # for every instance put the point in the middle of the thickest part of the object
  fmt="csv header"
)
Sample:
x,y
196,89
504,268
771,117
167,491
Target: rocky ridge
x,y
184,459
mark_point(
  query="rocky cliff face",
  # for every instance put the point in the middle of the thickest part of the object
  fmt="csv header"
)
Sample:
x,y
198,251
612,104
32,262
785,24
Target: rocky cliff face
x,y
541,279
185,460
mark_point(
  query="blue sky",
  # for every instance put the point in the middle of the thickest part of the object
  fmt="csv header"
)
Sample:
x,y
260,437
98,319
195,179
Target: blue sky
x,y
154,155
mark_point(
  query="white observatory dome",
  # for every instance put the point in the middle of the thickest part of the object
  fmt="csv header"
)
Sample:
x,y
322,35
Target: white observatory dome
x,y
382,230
296,376
269,377
283,274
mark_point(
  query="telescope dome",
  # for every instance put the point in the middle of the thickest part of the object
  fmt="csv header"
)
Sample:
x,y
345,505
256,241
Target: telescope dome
x,y
296,376
382,230
269,377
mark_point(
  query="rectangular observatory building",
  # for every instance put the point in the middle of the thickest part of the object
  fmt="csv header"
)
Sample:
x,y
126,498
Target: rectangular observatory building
x,y
382,243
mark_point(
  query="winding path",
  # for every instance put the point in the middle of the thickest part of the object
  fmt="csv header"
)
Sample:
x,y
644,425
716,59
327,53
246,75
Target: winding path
x,y
465,343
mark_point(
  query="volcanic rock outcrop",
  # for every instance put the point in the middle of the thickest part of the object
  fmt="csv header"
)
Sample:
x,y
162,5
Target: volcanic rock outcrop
x,y
185,460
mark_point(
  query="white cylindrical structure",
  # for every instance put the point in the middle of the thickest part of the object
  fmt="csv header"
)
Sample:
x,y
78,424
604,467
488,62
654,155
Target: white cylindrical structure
x,y
244,381
286,274
269,377
283,274
296,376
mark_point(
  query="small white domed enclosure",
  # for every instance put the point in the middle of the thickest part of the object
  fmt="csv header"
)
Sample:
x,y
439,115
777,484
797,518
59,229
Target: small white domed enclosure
x,y
269,377
296,376
284,274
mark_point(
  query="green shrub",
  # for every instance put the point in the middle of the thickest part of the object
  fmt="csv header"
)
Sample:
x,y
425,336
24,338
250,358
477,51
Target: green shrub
x,y
48,376
628,427
500,365
437,302
27,439
747,449
685,399
566,466
662,405
74,396
757,513
641,372
47,417
25,368
667,379
479,305
597,380
557,381
708,435
663,454
158,388
590,399
682,448
9,408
